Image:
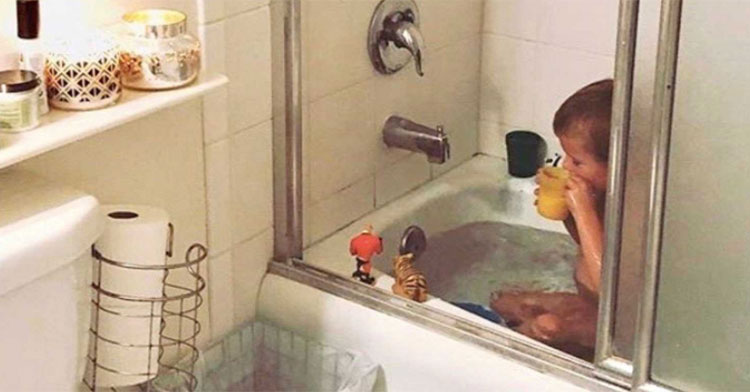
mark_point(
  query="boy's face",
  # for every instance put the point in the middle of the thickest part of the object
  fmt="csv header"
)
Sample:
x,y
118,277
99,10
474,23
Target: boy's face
x,y
582,162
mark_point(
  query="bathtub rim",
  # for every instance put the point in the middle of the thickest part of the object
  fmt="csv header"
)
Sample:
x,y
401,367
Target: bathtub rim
x,y
507,343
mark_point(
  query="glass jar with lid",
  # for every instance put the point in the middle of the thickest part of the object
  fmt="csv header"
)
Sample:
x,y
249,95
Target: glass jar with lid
x,y
19,106
157,52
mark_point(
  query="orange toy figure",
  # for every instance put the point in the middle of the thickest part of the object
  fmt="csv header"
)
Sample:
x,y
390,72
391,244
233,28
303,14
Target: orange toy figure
x,y
363,247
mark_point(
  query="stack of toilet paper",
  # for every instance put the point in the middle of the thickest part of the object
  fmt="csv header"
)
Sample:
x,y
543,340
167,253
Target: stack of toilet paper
x,y
128,328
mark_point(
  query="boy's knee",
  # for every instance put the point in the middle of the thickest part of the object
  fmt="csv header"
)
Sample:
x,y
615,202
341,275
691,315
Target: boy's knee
x,y
547,326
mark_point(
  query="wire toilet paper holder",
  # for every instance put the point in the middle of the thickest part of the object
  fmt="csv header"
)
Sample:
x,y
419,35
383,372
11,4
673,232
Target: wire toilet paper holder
x,y
176,308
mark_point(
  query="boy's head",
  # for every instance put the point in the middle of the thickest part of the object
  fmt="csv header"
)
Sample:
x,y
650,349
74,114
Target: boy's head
x,y
582,123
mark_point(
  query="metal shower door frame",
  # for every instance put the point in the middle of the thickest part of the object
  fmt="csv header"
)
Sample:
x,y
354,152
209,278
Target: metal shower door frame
x,y
289,240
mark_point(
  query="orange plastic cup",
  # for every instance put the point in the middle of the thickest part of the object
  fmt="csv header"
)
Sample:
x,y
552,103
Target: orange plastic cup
x,y
551,203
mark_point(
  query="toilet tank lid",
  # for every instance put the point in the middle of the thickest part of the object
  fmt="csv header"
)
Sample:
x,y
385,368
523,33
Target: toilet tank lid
x,y
43,226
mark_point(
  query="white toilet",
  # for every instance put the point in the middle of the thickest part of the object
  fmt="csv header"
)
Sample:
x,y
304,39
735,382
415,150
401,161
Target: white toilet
x,y
46,233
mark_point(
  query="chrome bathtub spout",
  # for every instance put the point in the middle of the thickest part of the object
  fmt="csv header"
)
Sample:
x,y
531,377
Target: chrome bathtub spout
x,y
402,133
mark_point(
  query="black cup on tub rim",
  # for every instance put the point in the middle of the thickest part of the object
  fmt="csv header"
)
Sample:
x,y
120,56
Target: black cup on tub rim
x,y
526,153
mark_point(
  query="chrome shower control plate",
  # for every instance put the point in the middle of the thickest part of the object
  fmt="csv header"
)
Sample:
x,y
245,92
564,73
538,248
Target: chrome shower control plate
x,y
386,57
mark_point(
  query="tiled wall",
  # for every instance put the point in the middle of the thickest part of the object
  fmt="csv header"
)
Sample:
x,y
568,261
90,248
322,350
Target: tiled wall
x,y
535,53
348,171
210,164
238,151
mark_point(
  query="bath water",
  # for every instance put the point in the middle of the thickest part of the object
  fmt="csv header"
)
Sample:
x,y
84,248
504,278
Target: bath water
x,y
467,263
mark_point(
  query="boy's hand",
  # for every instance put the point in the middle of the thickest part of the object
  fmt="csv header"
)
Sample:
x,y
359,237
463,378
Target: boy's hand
x,y
536,190
580,196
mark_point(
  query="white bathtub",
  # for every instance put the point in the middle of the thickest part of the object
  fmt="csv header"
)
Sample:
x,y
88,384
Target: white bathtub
x,y
477,190
415,358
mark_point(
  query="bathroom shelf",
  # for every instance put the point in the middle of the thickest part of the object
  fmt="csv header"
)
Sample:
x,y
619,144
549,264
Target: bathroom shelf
x,y
59,128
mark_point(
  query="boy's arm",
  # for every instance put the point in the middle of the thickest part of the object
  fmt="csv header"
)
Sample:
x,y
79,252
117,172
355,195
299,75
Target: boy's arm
x,y
570,225
590,229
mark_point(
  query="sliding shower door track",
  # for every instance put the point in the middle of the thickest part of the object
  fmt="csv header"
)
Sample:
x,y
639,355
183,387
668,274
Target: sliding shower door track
x,y
507,343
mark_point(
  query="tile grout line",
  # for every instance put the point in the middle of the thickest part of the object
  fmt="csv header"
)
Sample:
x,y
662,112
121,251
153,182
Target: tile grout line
x,y
226,17
252,237
548,44
374,75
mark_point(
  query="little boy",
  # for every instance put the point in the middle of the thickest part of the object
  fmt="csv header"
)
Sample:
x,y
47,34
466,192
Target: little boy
x,y
563,320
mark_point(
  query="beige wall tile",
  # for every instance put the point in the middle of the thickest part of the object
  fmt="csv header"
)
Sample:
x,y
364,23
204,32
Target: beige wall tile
x,y
219,197
326,216
445,22
234,7
408,95
462,133
457,93
492,138
210,10
336,44
507,92
277,57
555,52
588,25
551,89
399,178
343,141
514,18
248,64
249,264
346,126
156,160
213,39
449,88
215,116
221,290
252,182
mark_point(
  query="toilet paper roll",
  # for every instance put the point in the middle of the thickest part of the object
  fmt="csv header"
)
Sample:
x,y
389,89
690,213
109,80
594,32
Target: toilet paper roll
x,y
138,235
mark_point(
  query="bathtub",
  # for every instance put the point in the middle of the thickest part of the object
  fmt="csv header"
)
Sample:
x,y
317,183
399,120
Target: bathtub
x,y
414,356
478,198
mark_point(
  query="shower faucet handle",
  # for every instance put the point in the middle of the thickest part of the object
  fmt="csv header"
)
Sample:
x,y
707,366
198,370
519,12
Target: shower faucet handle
x,y
400,30
394,27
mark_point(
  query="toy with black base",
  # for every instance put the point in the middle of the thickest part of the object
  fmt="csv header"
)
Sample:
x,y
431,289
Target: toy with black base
x,y
363,247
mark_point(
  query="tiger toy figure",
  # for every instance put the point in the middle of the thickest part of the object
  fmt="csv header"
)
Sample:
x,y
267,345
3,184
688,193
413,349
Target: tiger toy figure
x,y
410,283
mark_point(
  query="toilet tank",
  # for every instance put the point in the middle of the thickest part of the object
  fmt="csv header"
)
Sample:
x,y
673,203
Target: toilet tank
x,y
46,233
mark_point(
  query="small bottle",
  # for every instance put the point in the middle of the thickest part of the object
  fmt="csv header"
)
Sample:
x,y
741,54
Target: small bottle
x,y
32,54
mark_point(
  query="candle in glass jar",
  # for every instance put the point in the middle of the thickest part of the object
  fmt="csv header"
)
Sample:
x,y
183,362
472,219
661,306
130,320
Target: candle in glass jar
x,y
157,52
83,73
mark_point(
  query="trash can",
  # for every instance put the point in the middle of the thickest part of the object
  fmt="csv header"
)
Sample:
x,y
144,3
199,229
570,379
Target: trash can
x,y
263,357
